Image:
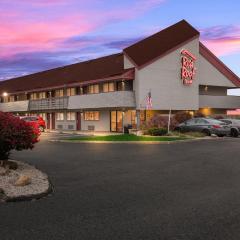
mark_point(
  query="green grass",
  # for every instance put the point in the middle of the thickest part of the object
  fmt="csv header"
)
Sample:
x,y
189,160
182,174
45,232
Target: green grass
x,y
127,137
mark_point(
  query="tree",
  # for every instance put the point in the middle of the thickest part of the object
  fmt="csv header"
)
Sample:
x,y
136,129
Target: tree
x,y
182,116
16,134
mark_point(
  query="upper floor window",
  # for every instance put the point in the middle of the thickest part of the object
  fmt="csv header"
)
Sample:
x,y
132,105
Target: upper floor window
x,y
125,85
21,97
59,93
93,88
108,87
33,96
12,98
42,95
71,91
5,99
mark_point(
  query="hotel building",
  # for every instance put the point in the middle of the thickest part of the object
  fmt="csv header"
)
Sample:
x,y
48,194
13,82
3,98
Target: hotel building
x,y
171,69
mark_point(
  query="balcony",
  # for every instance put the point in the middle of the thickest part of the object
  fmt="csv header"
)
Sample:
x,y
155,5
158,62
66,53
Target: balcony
x,y
118,99
19,106
48,104
224,102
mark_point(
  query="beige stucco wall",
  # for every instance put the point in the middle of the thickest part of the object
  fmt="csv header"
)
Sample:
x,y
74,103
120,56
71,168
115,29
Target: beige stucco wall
x,y
209,75
162,77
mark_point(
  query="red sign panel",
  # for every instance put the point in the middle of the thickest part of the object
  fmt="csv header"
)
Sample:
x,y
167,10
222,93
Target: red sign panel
x,y
188,70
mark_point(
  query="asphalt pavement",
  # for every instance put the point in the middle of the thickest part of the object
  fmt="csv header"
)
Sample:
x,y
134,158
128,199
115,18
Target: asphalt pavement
x,y
178,191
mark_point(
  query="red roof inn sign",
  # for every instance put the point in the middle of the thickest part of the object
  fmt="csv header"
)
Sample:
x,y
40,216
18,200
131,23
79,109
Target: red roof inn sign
x,y
188,67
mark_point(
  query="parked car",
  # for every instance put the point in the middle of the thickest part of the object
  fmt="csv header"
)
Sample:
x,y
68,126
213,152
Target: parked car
x,y
205,125
234,126
37,120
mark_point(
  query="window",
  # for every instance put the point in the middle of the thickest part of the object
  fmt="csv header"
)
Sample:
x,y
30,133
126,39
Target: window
x,y
5,99
59,116
71,116
42,95
33,96
59,93
91,116
108,87
11,99
93,88
71,91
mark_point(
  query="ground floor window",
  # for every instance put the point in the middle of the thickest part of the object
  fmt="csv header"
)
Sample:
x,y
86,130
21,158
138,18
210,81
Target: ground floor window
x,y
71,116
92,116
59,116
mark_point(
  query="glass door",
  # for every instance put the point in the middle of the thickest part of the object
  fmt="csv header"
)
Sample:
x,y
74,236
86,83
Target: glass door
x,y
116,121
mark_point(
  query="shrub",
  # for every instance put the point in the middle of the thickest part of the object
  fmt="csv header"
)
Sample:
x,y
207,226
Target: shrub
x,y
15,134
158,121
199,114
182,116
157,131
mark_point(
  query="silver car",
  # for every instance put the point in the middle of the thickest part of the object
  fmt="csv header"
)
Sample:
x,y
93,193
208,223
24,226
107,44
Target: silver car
x,y
234,126
205,125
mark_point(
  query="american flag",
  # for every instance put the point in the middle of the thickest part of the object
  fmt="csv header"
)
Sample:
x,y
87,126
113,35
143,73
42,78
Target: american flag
x,y
149,101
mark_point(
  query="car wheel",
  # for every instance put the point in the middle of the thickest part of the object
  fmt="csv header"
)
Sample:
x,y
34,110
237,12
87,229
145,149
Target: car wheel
x,y
206,132
41,129
234,132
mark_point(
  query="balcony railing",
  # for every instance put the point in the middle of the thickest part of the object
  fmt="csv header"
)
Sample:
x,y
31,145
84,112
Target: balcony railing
x,y
19,106
118,99
48,104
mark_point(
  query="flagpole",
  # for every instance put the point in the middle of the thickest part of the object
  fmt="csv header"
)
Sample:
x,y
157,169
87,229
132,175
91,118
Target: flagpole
x,y
169,119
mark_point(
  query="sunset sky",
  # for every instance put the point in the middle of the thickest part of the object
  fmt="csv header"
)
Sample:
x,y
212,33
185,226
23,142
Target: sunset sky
x,y
41,34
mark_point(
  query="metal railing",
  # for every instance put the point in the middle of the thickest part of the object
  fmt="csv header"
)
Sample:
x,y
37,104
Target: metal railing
x,y
49,104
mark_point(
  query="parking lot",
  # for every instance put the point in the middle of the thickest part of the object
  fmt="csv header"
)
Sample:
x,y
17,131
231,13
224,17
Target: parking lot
x,y
188,190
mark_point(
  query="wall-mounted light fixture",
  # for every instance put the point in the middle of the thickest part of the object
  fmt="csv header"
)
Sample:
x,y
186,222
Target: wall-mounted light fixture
x,y
5,94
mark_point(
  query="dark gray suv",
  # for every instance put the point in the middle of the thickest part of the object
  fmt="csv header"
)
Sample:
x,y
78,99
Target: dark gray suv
x,y
205,125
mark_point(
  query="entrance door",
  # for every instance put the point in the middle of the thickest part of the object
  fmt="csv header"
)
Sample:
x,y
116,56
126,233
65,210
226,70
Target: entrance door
x,y
48,120
78,127
53,120
116,121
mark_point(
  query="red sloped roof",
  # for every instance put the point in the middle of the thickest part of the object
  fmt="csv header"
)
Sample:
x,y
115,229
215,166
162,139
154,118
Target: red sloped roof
x,y
104,67
217,63
160,43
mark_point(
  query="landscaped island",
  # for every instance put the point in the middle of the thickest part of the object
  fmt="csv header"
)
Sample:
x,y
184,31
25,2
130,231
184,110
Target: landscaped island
x,y
127,138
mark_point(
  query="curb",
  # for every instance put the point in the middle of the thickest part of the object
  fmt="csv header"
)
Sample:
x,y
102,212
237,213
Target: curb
x,y
133,142
4,198
29,197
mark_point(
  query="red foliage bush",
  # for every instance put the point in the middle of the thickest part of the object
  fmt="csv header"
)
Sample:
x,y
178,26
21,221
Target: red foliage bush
x,y
182,116
199,114
159,121
16,134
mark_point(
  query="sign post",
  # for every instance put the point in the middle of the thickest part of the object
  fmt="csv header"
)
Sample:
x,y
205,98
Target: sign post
x,y
169,119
